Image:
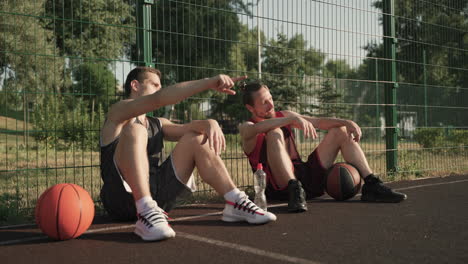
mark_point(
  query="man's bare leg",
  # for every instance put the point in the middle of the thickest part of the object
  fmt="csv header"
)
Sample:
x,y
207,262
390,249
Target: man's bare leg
x,y
338,139
281,168
190,153
132,160
373,190
278,159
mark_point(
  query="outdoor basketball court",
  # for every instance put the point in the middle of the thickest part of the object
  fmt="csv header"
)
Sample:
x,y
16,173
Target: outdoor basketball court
x,y
430,227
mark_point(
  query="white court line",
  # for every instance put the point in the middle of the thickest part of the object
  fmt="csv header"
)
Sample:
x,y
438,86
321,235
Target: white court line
x,y
9,242
429,185
247,249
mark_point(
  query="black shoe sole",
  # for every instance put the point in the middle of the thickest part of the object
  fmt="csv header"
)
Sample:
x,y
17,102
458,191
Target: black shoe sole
x,y
297,210
379,200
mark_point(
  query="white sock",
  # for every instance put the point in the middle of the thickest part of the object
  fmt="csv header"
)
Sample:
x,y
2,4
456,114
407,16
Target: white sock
x,y
233,195
143,204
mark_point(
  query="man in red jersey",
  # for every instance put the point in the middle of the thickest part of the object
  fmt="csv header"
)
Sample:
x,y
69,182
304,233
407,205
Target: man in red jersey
x,y
267,138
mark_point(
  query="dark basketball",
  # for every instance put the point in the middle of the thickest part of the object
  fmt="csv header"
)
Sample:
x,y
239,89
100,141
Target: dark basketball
x,y
343,181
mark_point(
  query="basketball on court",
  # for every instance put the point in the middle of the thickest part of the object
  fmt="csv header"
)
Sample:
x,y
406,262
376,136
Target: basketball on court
x,y
343,181
64,211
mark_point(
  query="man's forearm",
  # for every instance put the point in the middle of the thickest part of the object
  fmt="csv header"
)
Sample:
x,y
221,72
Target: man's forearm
x,y
178,92
198,126
326,123
265,126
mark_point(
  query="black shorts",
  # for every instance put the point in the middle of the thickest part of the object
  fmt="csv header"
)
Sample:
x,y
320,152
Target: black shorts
x,y
164,187
311,174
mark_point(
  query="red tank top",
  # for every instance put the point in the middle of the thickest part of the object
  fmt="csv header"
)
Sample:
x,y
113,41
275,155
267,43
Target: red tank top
x,y
259,154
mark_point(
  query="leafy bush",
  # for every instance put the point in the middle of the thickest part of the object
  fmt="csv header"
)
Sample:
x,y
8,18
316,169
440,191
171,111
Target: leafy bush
x,y
10,205
459,137
59,121
429,137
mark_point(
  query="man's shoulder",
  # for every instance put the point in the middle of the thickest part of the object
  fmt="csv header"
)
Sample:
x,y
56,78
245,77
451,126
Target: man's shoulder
x,y
245,123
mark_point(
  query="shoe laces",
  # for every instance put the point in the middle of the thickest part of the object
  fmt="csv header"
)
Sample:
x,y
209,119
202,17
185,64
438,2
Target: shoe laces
x,y
246,205
380,187
153,217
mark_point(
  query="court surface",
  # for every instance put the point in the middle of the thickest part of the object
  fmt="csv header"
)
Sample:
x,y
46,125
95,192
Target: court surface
x,y
430,227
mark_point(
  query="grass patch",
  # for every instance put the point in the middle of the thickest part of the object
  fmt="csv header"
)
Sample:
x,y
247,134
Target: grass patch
x,y
28,167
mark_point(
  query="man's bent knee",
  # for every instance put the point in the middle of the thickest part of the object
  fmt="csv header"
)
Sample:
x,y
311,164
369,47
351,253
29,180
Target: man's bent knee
x,y
275,134
134,130
339,133
192,137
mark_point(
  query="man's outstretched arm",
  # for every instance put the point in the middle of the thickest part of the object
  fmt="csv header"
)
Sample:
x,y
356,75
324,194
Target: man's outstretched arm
x,y
173,94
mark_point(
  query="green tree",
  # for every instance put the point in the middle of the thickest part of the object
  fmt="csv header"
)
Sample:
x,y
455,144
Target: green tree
x,y
286,63
439,35
244,58
330,100
96,83
94,29
193,41
339,69
29,66
244,53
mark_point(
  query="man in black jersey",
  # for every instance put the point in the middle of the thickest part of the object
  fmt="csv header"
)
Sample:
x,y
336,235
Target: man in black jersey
x,y
136,185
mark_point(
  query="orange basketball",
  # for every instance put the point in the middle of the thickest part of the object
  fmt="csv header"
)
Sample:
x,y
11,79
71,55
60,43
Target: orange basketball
x,y
64,211
343,181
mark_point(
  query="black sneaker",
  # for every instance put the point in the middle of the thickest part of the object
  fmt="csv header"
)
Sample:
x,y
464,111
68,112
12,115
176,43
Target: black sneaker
x,y
297,202
375,191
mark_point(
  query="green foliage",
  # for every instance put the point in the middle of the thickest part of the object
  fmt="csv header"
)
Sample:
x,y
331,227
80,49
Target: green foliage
x,y
90,28
28,67
338,69
244,53
10,205
330,100
197,36
233,139
68,123
429,137
96,83
459,137
436,35
286,63
455,139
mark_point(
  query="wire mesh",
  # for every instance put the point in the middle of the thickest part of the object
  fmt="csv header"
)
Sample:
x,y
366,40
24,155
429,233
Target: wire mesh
x,y
63,63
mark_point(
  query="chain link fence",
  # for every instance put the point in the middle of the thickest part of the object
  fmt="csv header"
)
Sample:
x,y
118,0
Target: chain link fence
x,y
396,67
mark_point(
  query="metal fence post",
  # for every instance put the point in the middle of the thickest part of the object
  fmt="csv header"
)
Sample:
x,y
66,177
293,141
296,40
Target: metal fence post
x,y
425,86
144,41
391,85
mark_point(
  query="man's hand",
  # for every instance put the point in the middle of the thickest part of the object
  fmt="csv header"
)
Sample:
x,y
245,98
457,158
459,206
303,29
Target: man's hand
x,y
301,123
214,135
354,130
223,83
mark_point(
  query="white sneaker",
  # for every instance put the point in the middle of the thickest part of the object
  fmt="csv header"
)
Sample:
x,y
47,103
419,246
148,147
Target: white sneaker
x,y
246,210
152,225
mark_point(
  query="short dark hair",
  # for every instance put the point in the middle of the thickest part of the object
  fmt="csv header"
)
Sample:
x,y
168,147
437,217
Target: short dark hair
x,y
139,74
249,89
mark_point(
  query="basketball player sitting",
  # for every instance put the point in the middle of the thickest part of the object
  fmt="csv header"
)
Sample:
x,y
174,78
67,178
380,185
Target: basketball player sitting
x,y
267,138
136,184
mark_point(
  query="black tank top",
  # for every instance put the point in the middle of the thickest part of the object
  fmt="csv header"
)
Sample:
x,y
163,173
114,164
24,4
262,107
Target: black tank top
x,y
154,147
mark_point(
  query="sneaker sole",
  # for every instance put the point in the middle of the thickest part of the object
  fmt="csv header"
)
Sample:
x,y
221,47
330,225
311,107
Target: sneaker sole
x,y
234,219
373,200
153,238
297,210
